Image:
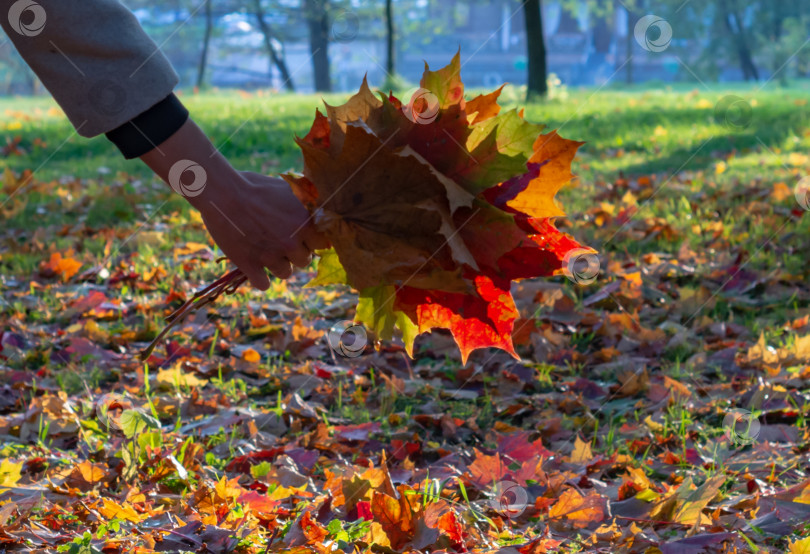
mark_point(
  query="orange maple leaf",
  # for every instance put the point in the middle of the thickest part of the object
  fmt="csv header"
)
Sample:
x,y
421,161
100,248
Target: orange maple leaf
x,y
577,509
63,267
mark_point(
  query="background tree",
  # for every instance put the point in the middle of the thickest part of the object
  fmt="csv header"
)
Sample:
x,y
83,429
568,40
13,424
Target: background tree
x,y
276,58
317,17
734,24
390,64
632,9
537,86
209,26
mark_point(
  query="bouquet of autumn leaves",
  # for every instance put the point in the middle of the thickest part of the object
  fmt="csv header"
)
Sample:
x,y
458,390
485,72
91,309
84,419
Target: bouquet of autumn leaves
x,y
432,209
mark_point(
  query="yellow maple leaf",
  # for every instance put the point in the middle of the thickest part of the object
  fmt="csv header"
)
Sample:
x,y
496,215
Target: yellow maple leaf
x,y
801,546
10,473
582,451
112,510
177,377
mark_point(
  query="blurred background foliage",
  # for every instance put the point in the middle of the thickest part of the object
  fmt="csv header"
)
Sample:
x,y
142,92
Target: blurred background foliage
x,y
329,45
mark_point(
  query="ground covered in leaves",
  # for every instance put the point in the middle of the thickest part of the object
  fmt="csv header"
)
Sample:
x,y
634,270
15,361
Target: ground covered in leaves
x,y
661,408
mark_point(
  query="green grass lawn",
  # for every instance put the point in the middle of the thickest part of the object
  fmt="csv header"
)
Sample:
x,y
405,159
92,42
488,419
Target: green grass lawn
x,y
656,130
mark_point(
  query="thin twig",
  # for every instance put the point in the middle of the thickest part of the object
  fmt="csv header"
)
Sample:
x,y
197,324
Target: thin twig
x,y
227,284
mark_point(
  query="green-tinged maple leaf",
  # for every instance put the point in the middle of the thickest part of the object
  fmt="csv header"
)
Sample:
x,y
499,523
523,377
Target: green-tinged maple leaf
x,y
134,422
500,148
445,83
330,272
690,503
375,309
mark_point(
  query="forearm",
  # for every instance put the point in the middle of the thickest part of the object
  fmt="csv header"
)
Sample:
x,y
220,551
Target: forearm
x,y
192,166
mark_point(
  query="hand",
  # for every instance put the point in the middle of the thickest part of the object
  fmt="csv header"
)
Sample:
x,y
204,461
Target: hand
x,y
257,221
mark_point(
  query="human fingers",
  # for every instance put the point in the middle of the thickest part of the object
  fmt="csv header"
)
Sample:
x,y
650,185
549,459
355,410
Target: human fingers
x,y
256,275
313,239
300,256
279,267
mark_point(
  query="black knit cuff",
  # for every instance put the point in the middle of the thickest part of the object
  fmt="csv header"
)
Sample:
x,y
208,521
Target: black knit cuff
x,y
150,129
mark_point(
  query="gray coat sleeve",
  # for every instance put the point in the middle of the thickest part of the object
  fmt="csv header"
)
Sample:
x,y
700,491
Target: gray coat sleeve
x,y
93,57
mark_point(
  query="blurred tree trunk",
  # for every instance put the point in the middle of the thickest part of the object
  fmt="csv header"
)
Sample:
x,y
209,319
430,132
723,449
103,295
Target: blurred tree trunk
x,y
735,28
209,26
317,16
275,58
389,39
630,39
536,50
